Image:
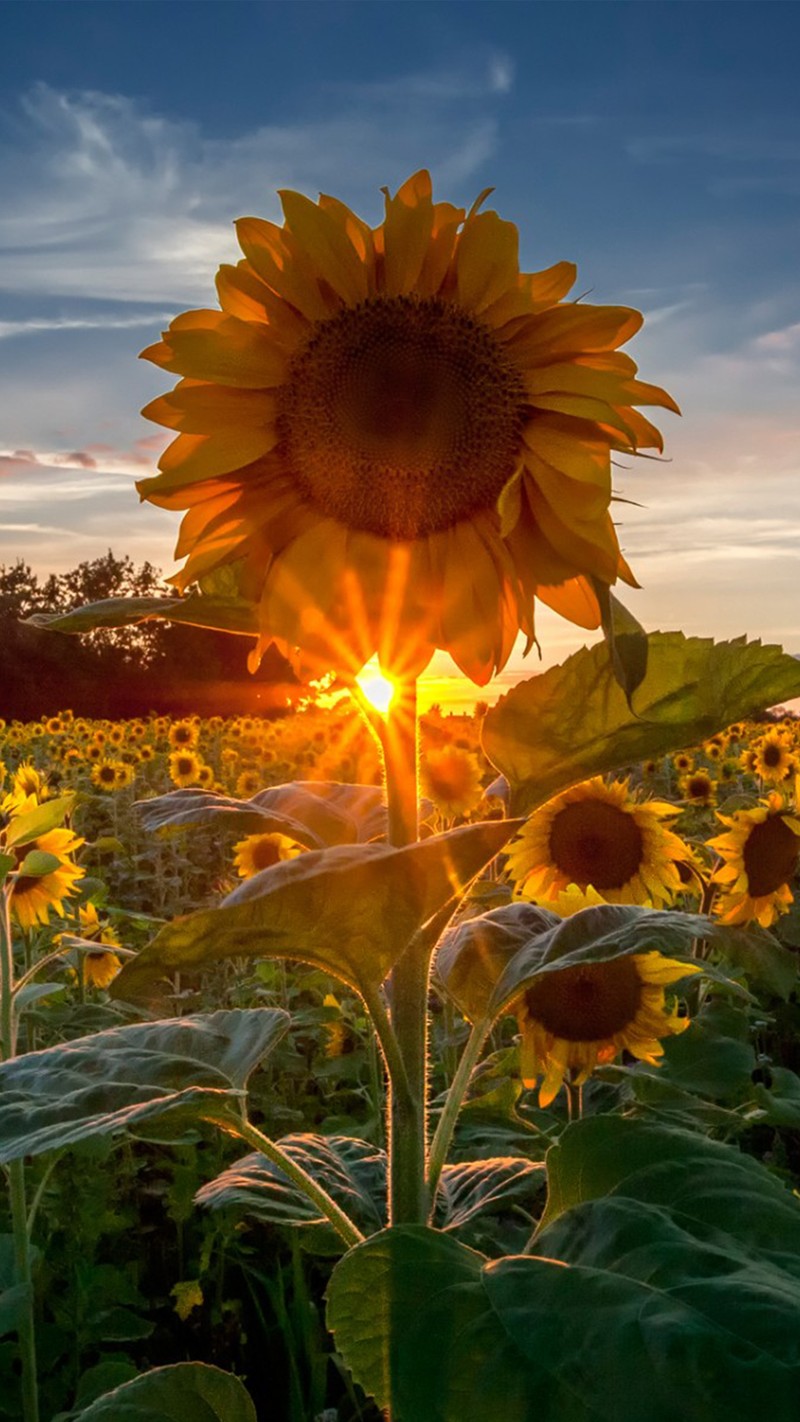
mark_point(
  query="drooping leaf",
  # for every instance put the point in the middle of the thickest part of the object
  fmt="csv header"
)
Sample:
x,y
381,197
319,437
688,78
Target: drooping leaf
x,y
181,1392
477,1187
223,614
485,963
351,910
126,1075
316,813
572,721
760,956
352,1171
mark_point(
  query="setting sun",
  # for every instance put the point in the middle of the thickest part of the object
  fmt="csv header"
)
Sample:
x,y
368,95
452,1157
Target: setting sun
x,y
377,688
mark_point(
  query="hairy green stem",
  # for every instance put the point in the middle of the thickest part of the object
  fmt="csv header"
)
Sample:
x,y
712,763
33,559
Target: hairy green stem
x,y
408,983
318,1196
454,1101
16,1176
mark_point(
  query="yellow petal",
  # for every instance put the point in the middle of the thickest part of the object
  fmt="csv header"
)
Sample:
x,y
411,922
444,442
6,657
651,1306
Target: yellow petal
x,y
328,245
487,260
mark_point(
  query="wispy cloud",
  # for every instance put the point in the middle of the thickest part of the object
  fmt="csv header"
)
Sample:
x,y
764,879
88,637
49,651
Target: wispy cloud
x,y
34,324
112,200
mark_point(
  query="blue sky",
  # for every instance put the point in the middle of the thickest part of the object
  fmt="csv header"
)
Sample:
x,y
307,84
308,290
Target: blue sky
x,y
655,144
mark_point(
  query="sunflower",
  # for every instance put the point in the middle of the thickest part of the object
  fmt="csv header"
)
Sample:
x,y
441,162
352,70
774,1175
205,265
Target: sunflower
x,y
683,762
33,895
451,778
572,1019
261,851
398,437
29,781
773,758
698,787
100,967
184,768
761,852
184,735
599,835
104,775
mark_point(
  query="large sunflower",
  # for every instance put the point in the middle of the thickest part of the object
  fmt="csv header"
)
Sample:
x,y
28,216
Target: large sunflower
x,y
398,437
32,896
761,854
599,835
574,1018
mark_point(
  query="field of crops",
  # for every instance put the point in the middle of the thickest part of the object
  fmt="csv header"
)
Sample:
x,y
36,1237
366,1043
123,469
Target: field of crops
x,y
132,1268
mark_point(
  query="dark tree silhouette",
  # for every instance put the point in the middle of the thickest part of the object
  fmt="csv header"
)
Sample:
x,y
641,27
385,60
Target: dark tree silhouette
x,y
152,666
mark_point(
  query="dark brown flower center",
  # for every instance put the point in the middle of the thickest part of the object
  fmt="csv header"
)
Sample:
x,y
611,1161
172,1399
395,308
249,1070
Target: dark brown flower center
x,y
593,842
772,755
589,1003
401,417
265,854
770,856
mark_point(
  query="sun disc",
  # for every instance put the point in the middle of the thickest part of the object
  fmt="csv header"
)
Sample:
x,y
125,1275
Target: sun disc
x,y
378,690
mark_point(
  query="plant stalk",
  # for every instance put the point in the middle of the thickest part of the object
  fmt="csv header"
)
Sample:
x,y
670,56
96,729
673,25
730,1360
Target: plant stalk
x,y
408,983
454,1101
16,1176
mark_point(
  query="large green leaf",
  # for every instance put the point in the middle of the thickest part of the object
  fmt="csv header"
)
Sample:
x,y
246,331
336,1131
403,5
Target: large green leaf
x,y
224,614
316,813
713,1187
573,721
409,1315
351,910
485,963
353,1172
127,1075
182,1392
676,1296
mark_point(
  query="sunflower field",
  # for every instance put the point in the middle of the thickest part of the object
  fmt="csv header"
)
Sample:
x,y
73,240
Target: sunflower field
x,y
360,1063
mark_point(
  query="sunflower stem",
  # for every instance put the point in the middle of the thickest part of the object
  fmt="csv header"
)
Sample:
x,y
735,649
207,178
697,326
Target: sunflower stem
x,y
454,1102
16,1178
408,983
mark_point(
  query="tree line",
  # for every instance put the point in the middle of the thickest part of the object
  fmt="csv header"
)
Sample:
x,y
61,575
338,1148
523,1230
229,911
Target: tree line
x,y
163,667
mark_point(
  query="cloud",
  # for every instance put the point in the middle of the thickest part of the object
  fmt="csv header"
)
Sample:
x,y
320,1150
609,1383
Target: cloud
x,y
36,324
114,201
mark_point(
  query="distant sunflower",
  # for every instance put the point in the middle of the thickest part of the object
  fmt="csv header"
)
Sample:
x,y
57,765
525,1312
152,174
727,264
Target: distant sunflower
x,y
100,967
773,757
698,787
184,735
683,762
761,853
399,438
29,781
451,778
599,835
248,783
261,851
104,775
575,1018
184,767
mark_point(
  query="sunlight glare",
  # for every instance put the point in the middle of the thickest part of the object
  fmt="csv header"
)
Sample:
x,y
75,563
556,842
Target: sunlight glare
x,y
377,688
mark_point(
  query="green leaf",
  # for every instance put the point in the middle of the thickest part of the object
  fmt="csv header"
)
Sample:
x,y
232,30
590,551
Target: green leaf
x,y
118,1078
573,721
34,992
38,862
408,1314
351,910
352,1171
626,640
223,614
780,1101
21,829
14,1304
316,813
477,1187
182,1392
760,956
102,1378
485,963
713,1186
7,861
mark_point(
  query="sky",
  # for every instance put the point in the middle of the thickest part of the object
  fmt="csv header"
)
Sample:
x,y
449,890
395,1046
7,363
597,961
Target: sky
x,y
655,144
